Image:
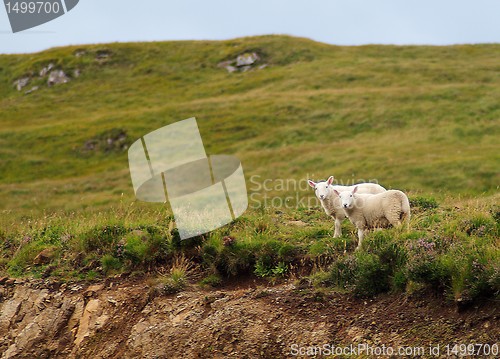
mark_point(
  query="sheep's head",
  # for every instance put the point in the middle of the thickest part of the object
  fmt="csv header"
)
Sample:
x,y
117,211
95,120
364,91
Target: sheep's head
x,y
322,189
347,197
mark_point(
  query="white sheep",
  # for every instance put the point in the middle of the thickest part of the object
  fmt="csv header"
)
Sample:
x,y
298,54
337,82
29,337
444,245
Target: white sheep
x,y
330,202
369,211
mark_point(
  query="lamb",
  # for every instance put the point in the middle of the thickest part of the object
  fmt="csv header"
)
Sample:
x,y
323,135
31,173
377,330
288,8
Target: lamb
x,y
368,211
330,202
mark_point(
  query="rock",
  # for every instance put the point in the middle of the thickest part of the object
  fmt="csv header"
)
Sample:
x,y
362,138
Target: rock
x,y
75,288
76,73
28,335
9,311
44,257
33,89
92,290
57,77
3,280
74,320
228,65
36,322
46,69
22,82
242,63
93,319
247,59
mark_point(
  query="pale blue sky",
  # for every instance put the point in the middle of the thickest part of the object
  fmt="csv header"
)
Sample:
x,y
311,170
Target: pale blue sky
x,y
347,22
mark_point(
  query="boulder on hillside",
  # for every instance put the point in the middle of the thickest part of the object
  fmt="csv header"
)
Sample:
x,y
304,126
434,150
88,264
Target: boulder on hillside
x,y
57,77
242,63
22,82
247,59
44,71
31,90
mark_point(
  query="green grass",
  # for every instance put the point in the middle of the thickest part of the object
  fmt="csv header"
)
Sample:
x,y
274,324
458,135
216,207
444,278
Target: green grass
x,y
417,118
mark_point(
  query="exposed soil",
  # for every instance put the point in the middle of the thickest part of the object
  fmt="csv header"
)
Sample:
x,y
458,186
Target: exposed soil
x,y
125,318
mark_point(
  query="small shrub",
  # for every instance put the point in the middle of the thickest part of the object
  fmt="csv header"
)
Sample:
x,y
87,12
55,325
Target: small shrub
x,y
262,269
140,248
175,282
102,238
110,263
363,273
343,272
177,279
321,279
387,248
471,269
280,270
399,280
136,248
91,275
212,280
371,275
236,259
423,265
494,280
50,234
495,213
479,226
25,256
424,203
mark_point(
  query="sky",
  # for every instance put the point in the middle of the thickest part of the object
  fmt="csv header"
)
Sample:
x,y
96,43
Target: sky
x,y
347,22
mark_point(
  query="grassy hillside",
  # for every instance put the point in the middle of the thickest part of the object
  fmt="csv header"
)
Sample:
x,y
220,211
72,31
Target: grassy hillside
x,y
422,119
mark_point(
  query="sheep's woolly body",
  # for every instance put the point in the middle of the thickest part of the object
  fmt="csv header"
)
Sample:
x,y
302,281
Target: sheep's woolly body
x,y
380,210
333,206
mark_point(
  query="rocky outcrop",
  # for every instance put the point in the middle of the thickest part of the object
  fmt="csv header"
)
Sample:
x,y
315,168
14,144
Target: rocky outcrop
x,y
57,77
54,77
22,82
243,62
33,322
113,140
123,318
45,70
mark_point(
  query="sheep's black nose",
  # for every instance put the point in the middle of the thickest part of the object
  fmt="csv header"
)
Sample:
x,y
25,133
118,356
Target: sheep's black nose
x,y
345,205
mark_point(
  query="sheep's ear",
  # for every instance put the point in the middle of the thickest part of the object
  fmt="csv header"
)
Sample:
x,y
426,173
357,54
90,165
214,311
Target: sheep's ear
x,y
311,183
337,192
330,180
355,189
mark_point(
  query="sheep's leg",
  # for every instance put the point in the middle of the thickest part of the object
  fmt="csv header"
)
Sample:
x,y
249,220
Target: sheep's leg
x,y
361,235
338,228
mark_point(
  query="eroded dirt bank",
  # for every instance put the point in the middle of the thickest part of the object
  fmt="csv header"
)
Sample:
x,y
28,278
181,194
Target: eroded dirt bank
x,y
124,318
